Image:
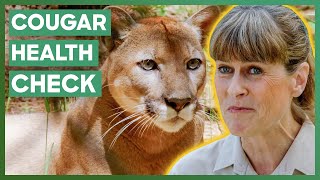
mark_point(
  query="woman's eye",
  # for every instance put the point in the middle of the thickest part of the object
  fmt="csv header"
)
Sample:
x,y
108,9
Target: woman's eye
x,y
148,64
193,64
224,70
255,71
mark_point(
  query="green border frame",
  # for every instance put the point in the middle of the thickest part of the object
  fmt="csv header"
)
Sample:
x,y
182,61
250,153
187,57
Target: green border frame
x,y
153,2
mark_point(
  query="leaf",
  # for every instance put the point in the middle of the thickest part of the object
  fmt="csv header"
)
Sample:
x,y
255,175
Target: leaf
x,y
48,161
47,104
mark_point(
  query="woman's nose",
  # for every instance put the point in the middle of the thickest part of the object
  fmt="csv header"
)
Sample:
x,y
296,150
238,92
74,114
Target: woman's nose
x,y
237,87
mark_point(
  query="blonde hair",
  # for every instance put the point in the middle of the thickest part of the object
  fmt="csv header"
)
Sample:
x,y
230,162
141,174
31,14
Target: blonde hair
x,y
268,34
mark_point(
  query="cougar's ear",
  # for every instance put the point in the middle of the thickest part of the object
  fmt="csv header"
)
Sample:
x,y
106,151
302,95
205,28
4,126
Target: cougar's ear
x,y
121,24
204,19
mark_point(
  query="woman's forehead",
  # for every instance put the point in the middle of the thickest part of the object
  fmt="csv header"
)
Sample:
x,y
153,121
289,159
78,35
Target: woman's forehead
x,y
233,59
246,63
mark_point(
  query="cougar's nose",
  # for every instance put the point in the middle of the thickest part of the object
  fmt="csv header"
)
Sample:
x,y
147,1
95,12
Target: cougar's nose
x,y
177,104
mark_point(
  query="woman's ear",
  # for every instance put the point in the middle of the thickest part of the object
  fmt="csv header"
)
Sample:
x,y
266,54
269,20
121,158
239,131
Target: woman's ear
x,y
300,79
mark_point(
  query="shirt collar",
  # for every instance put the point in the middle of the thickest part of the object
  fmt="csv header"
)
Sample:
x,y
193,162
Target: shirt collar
x,y
232,154
300,156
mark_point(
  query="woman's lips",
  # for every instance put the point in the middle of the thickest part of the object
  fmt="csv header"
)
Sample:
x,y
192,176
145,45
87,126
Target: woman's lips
x,y
239,109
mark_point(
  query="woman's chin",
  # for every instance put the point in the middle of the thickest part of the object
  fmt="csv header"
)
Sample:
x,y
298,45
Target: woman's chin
x,y
238,128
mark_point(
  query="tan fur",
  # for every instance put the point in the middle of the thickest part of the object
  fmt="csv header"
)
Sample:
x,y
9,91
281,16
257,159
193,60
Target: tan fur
x,y
148,145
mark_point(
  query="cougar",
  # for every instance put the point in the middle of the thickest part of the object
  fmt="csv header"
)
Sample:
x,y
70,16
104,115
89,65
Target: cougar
x,y
149,111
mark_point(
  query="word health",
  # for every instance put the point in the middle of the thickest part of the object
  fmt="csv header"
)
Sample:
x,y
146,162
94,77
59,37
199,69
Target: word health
x,y
53,53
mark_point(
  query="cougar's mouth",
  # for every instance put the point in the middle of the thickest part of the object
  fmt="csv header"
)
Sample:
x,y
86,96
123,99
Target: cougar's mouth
x,y
175,120
166,117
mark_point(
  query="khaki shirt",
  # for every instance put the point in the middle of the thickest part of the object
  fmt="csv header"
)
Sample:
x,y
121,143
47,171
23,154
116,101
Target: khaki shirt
x,y
226,157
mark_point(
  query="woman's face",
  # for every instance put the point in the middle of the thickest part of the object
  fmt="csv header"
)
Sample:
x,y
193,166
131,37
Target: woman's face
x,y
253,96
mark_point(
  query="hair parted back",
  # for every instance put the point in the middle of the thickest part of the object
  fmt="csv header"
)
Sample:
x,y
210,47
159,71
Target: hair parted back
x,y
268,34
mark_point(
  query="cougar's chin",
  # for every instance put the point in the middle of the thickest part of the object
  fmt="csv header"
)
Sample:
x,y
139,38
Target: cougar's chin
x,y
170,125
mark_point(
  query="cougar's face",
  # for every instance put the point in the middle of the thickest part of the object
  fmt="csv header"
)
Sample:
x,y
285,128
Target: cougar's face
x,y
158,73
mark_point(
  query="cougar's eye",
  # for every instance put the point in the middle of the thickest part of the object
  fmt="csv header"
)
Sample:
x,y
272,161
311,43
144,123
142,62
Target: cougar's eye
x,y
148,64
193,64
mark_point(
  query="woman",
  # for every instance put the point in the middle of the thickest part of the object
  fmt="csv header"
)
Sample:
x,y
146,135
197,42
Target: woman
x,y
265,86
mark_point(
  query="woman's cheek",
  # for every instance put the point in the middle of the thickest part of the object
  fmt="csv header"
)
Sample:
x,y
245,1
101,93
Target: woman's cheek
x,y
222,94
221,88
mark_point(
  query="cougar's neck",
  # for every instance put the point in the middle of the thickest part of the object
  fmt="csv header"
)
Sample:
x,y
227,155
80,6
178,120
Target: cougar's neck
x,y
156,141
